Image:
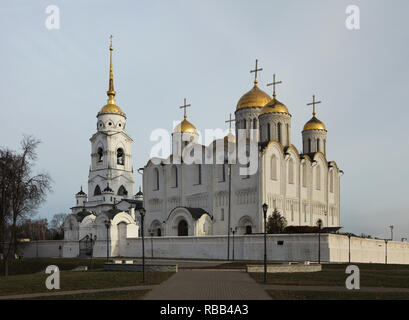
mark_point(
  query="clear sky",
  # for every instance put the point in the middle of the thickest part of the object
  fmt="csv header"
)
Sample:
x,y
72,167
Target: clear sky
x,y
53,83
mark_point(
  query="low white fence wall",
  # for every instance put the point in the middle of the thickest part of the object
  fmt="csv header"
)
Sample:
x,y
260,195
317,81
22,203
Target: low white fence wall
x,y
293,247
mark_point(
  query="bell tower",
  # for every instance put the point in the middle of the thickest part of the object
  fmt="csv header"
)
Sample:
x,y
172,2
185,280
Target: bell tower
x,y
111,158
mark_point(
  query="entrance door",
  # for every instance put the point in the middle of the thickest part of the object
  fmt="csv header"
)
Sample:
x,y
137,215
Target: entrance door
x,y
182,228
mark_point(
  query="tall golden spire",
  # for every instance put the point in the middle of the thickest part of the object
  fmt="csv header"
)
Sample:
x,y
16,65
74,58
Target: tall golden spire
x,y
274,83
111,106
185,106
111,92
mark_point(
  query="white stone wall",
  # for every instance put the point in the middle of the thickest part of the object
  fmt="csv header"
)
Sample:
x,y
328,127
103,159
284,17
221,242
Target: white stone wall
x,y
303,247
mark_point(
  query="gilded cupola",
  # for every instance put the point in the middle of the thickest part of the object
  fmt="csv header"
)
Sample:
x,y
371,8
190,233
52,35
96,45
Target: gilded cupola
x,y
111,106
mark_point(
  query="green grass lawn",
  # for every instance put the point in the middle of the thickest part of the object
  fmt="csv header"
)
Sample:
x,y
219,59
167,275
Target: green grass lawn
x,y
372,275
33,283
33,265
322,295
114,295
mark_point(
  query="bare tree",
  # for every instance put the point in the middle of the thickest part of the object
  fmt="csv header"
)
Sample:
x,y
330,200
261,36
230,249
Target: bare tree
x,y
57,225
21,192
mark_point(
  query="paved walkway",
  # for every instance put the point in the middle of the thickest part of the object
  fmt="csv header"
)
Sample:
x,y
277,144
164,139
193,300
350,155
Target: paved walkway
x,y
208,285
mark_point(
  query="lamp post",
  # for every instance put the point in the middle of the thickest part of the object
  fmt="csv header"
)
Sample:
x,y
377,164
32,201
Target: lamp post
x,y
386,251
151,232
349,247
142,212
319,240
265,208
391,232
233,231
107,225
229,214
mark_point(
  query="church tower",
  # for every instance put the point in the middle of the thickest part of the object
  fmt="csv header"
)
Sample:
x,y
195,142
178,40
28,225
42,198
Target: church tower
x,y
314,134
249,107
275,120
111,174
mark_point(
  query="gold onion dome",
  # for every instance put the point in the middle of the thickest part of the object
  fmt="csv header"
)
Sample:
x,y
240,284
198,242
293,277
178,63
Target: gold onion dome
x,y
274,106
111,106
255,98
185,126
314,124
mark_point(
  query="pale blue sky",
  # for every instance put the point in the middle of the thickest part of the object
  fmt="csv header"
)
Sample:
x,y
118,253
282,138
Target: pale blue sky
x,y
53,83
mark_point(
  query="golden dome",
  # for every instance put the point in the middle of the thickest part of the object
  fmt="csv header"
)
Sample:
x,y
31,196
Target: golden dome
x,y
255,98
314,124
111,106
230,137
185,126
274,106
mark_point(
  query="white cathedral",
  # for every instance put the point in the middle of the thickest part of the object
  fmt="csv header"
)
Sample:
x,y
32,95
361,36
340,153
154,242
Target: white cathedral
x,y
202,199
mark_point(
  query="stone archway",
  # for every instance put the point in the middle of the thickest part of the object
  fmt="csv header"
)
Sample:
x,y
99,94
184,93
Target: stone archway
x,y
183,228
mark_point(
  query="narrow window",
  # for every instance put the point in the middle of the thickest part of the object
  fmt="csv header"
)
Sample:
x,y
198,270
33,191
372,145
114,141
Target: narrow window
x,y
331,181
291,171
122,191
318,145
273,167
156,179
268,132
120,157
97,191
318,178
100,154
222,215
174,176
309,145
288,134
279,132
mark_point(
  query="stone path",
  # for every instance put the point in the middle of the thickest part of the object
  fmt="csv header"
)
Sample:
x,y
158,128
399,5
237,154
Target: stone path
x,y
208,285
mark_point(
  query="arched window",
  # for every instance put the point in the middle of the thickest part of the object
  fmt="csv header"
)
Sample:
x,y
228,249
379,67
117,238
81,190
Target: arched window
x,y
268,132
221,172
249,230
222,215
331,181
159,232
304,175
318,182
288,133
291,171
198,174
122,191
279,132
318,145
156,179
273,168
174,176
120,156
100,154
254,123
182,228
309,145
325,146
97,191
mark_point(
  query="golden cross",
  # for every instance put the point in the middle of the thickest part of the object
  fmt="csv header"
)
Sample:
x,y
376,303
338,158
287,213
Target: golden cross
x,y
313,103
274,83
255,72
185,106
230,121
